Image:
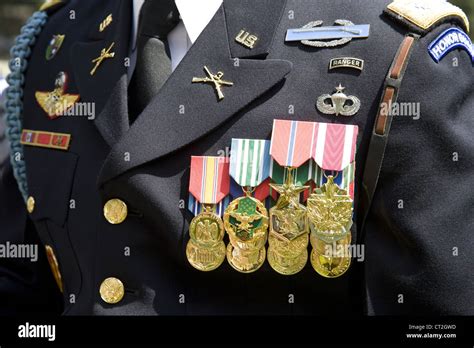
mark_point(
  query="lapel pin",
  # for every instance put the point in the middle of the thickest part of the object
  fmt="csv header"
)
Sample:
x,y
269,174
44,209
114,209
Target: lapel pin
x,y
312,33
338,103
57,102
105,23
104,54
346,62
246,39
215,79
54,46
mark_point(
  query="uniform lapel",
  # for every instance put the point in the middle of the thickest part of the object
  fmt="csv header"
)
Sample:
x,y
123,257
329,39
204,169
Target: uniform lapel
x,y
183,111
107,88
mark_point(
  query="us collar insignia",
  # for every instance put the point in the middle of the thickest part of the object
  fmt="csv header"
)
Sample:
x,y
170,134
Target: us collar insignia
x,y
105,23
57,102
449,40
338,103
346,62
215,79
104,54
312,33
54,46
246,39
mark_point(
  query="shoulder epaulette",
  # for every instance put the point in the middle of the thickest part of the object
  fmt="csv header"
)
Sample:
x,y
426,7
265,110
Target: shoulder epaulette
x,y
421,16
52,5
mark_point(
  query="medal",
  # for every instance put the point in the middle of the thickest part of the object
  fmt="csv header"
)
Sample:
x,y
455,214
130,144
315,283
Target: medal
x,y
287,253
57,102
330,212
209,186
246,218
330,205
331,260
292,148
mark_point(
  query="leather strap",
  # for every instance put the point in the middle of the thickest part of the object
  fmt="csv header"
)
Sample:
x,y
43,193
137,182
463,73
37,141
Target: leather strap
x,y
383,121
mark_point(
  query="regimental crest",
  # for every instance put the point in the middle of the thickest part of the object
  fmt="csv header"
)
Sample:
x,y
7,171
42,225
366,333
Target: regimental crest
x,y
57,102
246,217
338,104
330,212
54,46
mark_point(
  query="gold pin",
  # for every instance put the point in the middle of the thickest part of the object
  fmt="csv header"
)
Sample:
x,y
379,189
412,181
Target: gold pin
x,y
216,80
105,23
246,39
105,53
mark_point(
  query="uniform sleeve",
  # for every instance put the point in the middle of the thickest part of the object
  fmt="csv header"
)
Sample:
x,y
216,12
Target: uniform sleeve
x,y
25,286
420,230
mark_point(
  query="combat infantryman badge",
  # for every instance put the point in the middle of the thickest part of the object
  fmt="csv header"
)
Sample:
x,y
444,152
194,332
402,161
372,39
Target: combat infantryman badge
x,y
338,103
312,33
54,46
104,54
57,102
216,80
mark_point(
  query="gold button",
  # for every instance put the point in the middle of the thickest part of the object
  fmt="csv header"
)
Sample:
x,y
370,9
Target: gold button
x,y
30,204
112,290
115,211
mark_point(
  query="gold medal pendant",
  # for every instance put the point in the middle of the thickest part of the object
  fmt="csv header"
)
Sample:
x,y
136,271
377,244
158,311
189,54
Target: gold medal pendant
x,y
330,212
205,250
246,223
287,251
331,260
330,219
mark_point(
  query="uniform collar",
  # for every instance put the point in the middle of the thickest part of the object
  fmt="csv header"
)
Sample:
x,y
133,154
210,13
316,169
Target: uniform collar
x,y
195,15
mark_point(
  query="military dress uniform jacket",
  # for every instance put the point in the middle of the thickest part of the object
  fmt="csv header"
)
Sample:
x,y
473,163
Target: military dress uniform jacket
x,y
422,209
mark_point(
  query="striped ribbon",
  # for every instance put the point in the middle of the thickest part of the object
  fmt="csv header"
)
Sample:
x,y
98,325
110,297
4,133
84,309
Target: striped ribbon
x,y
332,146
209,179
250,161
196,208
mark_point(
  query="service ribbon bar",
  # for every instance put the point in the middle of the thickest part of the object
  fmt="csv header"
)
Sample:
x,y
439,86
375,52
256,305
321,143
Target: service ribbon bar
x,y
209,179
58,141
250,161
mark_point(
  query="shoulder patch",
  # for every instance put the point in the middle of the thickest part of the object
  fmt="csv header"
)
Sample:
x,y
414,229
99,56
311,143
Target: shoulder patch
x,y
423,15
449,40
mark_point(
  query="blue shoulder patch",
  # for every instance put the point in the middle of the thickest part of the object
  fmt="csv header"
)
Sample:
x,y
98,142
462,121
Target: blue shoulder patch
x,y
449,40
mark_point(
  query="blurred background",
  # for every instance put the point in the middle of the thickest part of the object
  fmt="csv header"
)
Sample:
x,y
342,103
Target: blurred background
x,y
13,13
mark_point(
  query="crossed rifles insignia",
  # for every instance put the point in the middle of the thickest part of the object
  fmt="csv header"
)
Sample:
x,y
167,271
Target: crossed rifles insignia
x,y
215,79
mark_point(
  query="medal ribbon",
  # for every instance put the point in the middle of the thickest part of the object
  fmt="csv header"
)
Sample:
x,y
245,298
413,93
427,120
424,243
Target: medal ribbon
x,y
209,179
250,161
332,146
